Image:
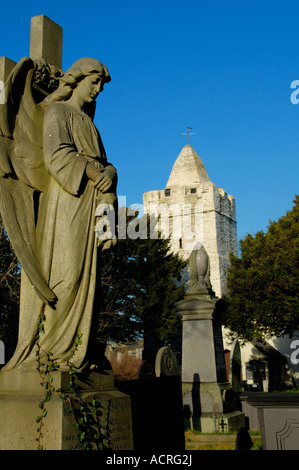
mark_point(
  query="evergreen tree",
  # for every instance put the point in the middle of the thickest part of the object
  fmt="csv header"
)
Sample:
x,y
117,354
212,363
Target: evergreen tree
x,y
263,283
141,283
9,294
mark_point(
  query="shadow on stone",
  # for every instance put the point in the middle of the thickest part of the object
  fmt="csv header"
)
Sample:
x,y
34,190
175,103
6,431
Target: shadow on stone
x,y
157,413
196,405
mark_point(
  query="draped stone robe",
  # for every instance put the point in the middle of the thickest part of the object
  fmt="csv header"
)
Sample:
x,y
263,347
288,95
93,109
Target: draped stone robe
x,y
67,246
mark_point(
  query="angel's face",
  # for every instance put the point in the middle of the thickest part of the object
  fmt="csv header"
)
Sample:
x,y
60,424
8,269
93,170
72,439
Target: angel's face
x,y
89,88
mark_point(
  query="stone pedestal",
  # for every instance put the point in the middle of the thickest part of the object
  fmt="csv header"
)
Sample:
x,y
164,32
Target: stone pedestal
x,y
208,399
278,417
21,393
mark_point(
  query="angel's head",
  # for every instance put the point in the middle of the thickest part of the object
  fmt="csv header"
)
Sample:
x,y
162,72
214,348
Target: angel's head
x,y
87,76
83,68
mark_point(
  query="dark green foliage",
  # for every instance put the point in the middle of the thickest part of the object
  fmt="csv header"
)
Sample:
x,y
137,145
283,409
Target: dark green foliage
x,y
141,284
264,282
9,294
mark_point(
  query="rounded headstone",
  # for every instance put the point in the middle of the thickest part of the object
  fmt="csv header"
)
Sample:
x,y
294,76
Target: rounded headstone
x,y
146,370
166,362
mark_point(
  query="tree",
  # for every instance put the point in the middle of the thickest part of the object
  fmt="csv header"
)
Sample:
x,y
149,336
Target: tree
x,y
9,294
263,283
141,283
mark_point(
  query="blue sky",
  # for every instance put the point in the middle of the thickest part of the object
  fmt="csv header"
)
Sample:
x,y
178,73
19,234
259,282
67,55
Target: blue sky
x,y
224,68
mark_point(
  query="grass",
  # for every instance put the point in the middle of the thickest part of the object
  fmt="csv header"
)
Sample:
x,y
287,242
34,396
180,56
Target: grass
x,y
290,390
195,440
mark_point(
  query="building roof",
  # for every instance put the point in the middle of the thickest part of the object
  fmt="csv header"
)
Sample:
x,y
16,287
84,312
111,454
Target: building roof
x,y
188,169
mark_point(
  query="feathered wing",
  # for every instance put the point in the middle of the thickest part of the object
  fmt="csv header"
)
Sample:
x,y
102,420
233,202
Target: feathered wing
x,y
23,175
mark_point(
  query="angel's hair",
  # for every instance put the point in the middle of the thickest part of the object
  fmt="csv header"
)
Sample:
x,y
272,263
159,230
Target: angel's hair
x,y
68,82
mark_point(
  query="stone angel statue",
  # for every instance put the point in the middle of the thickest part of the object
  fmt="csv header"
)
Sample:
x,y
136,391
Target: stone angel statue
x,y
54,174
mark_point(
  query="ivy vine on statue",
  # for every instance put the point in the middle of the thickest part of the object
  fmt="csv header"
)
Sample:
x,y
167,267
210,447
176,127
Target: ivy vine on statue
x,y
54,174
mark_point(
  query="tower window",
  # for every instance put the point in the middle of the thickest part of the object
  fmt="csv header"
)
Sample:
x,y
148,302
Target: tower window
x,y
193,190
167,192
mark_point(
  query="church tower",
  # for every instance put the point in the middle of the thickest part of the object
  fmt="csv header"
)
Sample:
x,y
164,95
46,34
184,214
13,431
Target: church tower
x,y
192,210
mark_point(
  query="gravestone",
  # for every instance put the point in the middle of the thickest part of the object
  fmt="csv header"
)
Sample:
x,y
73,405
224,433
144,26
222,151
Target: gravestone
x,y
206,391
166,363
146,370
218,345
256,374
20,390
235,366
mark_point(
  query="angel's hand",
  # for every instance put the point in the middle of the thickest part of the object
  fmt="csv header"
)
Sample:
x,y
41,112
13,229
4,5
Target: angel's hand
x,y
103,182
101,179
93,174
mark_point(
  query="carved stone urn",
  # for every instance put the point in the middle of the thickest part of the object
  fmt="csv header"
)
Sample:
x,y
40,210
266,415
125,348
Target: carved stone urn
x,y
199,264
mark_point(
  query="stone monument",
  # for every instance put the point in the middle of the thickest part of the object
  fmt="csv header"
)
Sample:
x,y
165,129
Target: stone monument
x,y
54,177
146,370
235,366
207,394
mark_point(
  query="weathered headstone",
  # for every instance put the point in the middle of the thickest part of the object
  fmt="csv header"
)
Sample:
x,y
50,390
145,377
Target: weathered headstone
x,y
166,363
146,370
235,366
218,345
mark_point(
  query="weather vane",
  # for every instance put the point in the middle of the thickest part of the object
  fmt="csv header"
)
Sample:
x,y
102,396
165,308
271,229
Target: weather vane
x,y
188,133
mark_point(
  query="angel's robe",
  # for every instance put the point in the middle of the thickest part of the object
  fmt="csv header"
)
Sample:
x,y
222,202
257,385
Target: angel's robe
x,y
66,244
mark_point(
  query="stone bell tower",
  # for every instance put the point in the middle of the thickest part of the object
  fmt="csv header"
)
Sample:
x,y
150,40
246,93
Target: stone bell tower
x,y
192,210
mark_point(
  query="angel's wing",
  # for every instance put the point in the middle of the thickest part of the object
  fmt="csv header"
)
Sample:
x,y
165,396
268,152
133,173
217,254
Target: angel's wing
x,y
23,175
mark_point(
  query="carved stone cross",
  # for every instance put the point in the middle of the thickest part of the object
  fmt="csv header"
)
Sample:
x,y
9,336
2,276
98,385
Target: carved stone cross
x,y
45,43
46,40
